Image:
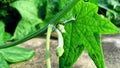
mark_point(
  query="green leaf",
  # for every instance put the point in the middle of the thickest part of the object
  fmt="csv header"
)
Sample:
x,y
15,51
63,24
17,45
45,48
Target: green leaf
x,y
117,8
72,47
7,36
4,36
62,4
112,2
3,12
94,1
85,32
16,54
55,6
3,63
52,8
2,26
30,21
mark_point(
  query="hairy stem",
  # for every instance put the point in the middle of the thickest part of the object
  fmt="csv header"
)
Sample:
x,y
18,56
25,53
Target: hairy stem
x,y
48,64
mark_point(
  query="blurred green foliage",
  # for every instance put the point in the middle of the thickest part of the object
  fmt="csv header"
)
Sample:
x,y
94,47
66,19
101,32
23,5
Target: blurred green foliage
x,y
111,9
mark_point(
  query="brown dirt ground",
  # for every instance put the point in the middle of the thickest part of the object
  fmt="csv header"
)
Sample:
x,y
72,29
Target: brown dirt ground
x,y
111,53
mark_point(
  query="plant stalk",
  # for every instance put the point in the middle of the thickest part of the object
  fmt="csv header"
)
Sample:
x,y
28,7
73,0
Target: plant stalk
x,y
48,64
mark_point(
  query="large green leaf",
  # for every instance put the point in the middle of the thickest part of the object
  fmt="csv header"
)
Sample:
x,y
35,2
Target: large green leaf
x,y
72,47
30,20
3,63
85,32
16,54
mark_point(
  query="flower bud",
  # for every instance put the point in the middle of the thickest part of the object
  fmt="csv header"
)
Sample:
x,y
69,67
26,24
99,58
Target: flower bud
x,y
59,51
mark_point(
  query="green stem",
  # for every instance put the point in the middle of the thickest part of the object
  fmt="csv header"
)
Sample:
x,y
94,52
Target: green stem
x,y
48,64
54,21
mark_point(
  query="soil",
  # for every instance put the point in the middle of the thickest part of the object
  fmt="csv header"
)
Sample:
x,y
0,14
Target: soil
x,y
110,44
